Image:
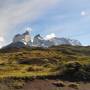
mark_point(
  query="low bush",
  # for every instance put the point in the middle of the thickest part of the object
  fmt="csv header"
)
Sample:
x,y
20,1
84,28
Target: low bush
x,y
76,71
34,68
73,85
59,84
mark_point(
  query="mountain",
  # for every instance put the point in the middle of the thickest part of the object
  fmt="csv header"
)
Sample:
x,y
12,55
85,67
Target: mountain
x,y
22,40
39,41
65,41
74,42
15,45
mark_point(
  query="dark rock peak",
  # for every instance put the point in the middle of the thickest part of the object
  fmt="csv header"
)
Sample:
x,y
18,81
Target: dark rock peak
x,y
38,36
26,33
17,35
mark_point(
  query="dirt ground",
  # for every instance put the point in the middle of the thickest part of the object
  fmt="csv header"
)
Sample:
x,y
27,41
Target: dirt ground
x,y
48,85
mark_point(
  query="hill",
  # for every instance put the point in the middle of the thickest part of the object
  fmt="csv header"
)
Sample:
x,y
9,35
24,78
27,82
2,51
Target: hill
x,y
63,62
46,59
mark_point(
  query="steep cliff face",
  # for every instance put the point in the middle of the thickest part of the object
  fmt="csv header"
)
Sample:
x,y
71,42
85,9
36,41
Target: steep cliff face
x,y
24,38
38,41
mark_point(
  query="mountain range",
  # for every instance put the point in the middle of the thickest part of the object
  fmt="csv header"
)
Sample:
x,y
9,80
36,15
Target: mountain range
x,y
55,41
21,40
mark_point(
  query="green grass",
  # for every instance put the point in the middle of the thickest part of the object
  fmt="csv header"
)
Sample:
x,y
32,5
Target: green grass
x,y
29,62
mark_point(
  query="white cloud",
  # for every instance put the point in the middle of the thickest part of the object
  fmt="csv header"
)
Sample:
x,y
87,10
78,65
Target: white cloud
x,y
1,39
28,29
83,13
50,36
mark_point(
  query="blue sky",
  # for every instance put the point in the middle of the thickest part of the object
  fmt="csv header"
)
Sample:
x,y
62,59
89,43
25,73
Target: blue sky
x,y
64,18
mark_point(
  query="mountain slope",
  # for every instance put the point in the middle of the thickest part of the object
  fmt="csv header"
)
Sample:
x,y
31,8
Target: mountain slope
x,y
64,62
42,58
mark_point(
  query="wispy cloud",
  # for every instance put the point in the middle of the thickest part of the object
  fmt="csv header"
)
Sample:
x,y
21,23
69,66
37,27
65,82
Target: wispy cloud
x,y
14,12
62,17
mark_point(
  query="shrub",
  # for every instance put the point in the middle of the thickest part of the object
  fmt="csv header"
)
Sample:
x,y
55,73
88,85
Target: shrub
x,y
59,84
76,71
48,65
73,85
17,84
34,68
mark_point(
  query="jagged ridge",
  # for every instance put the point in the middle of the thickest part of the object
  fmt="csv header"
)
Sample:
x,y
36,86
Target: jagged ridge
x,y
39,41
